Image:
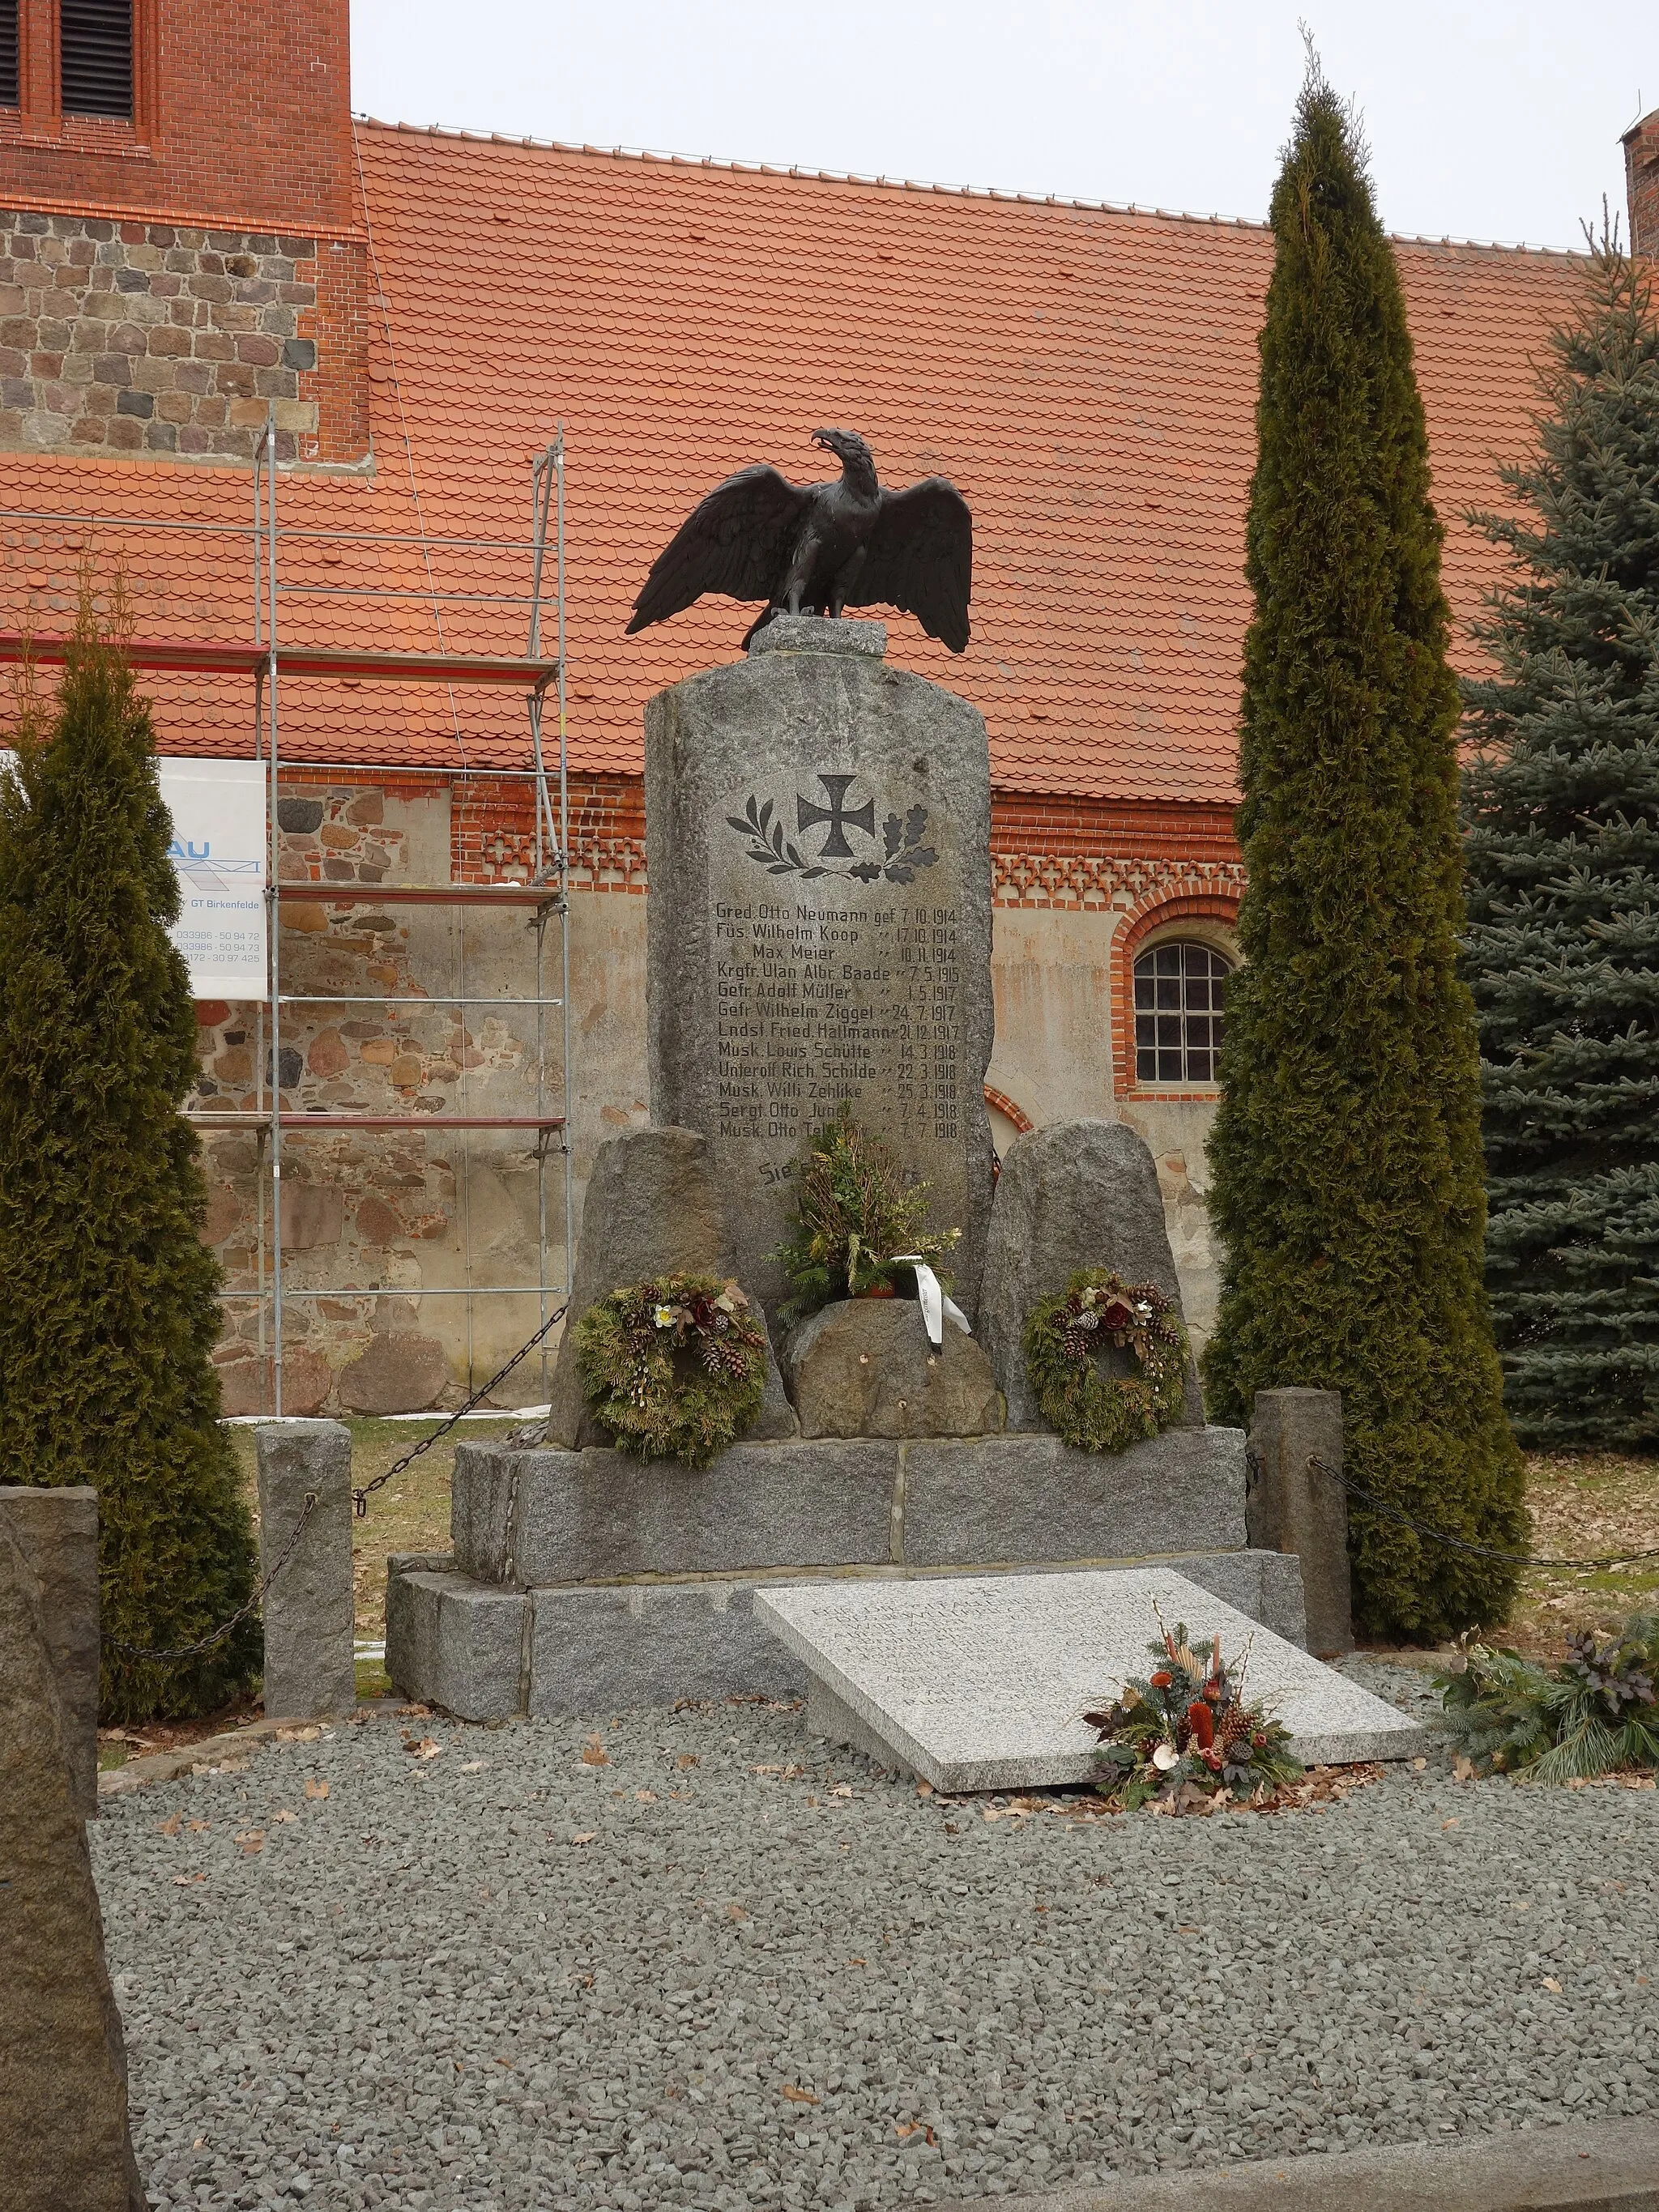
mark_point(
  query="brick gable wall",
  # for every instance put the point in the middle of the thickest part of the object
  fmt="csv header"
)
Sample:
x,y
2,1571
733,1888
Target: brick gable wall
x,y
243,119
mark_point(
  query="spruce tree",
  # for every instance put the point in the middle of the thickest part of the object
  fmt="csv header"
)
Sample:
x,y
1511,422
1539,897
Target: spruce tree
x,y
1562,806
107,1313
1345,1157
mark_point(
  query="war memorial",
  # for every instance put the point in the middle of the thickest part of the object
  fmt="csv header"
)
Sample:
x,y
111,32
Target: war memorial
x,y
819,945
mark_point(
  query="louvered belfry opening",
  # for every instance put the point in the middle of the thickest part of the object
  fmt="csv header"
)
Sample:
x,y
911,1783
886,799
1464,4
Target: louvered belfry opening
x,y
8,53
95,57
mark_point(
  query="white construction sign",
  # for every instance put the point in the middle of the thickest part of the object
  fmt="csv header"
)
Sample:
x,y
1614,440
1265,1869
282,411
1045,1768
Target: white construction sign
x,y
220,851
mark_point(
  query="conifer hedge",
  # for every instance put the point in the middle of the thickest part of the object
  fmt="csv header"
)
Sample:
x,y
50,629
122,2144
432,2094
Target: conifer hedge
x,y
107,1314
1346,1158
1563,821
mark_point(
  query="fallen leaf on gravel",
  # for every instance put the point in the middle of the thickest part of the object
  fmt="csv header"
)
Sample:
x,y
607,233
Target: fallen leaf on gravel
x,y
1417,1765
645,1797
1449,1824
169,1828
198,1827
425,1747
473,1766
1550,1983
298,1735
252,1840
184,1880
687,1759
414,1712
924,1788
594,1753
283,1819
799,2096
842,1790
736,1912
1463,1768
858,1962
315,1788
587,1836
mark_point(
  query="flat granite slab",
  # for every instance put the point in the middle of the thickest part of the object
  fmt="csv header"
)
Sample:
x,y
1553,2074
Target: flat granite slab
x,y
981,1682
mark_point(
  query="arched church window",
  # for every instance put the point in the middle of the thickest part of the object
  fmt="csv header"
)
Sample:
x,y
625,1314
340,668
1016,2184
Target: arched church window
x,y
1178,1012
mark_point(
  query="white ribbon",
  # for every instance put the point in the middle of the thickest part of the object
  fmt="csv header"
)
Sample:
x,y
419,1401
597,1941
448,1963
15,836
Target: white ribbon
x,y
931,1298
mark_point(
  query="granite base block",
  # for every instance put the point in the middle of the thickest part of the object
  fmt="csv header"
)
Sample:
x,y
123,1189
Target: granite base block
x,y
486,1653
652,1643
534,1518
550,1516
1031,1497
456,1642
1265,1585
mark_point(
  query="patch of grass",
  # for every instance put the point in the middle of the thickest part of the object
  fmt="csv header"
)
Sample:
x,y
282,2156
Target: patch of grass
x,y
1585,1505
411,1514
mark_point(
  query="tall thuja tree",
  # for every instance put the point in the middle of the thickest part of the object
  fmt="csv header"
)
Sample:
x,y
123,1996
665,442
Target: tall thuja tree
x,y
1563,818
107,1313
1346,1152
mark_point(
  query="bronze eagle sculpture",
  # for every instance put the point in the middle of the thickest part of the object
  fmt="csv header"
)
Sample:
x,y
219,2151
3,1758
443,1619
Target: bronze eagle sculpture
x,y
816,548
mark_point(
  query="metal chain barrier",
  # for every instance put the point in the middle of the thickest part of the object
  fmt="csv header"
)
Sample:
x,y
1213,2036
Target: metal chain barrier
x,y
206,1642
1461,1544
360,1497
360,1507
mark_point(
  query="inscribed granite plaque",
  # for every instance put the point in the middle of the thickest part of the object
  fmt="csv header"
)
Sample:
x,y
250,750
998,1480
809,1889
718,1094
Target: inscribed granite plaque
x,y
820,927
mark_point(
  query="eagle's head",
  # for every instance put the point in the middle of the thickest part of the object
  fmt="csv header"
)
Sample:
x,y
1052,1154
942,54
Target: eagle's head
x,y
846,445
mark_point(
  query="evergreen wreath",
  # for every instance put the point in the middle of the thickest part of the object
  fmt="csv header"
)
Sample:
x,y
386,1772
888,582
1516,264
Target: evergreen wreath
x,y
675,1368
1184,1735
1087,1407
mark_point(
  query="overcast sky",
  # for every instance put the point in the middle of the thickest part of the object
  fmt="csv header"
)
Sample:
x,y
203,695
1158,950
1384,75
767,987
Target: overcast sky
x,y
1487,121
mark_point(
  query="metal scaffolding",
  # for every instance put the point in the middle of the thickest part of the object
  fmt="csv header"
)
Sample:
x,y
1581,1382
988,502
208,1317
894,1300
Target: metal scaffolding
x,y
269,658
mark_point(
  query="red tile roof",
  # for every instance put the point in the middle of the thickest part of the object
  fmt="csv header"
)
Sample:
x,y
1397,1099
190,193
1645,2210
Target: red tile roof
x,y
1085,375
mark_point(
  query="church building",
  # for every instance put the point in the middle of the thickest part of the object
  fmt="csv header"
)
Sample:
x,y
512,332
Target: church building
x,y
206,262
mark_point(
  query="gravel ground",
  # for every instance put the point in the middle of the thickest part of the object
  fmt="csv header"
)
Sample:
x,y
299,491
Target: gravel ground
x,y
699,1960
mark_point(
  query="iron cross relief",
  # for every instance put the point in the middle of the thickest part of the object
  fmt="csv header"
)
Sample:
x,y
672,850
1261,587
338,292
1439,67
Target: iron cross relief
x,y
838,815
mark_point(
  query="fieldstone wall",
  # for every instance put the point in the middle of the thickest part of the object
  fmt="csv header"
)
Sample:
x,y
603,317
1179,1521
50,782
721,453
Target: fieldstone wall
x,y
155,337
369,1218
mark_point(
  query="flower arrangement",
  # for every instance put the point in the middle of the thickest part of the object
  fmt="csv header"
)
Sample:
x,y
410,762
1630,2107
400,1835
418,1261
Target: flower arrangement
x,y
1090,1409
1184,1736
854,1211
1595,1713
674,1368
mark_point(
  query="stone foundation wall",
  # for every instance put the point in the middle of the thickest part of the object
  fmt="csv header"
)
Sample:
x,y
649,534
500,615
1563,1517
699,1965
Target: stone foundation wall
x,y
120,337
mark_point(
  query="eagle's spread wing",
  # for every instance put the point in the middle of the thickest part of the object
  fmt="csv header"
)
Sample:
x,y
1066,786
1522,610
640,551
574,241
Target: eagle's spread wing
x,y
921,559
737,542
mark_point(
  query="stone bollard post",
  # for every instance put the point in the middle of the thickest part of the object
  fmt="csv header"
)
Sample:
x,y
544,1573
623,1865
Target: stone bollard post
x,y
1289,1507
56,1533
64,2138
310,1614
